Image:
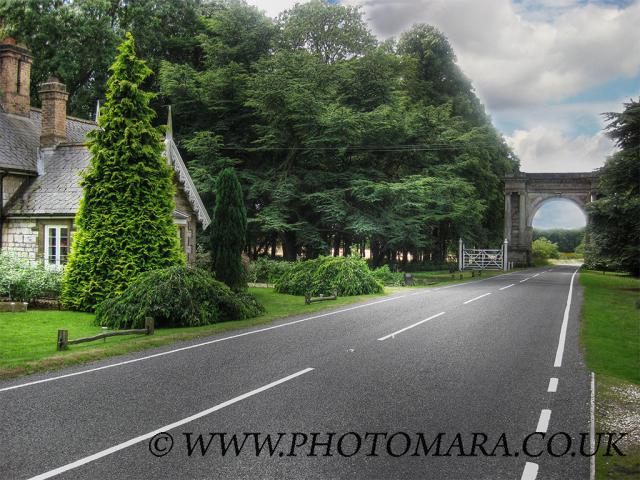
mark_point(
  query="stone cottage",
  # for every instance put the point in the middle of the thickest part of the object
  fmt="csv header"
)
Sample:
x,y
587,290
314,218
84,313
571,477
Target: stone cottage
x,y
42,153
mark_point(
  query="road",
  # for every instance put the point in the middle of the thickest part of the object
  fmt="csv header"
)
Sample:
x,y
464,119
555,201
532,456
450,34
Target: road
x,y
477,357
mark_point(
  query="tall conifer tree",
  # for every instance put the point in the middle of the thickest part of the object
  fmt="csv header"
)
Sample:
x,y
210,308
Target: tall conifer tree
x,y
228,230
125,221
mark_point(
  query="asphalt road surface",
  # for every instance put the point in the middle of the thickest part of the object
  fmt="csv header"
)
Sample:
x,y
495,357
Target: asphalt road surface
x,y
396,387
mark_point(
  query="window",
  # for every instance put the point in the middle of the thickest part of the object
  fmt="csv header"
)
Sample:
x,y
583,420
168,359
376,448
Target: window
x,y
56,244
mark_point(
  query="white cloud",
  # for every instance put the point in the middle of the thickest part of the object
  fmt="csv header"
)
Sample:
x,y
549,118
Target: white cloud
x,y
516,58
542,149
273,7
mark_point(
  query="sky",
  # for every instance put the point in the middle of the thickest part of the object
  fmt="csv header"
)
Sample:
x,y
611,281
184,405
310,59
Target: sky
x,y
545,70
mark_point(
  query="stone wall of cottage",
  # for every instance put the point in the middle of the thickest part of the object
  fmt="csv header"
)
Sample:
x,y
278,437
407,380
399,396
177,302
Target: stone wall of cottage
x,y
20,236
183,205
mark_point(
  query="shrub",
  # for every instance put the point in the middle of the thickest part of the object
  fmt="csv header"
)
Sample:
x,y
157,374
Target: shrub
x,y
22,281
265,270
387,277
176,297
347,275
542,250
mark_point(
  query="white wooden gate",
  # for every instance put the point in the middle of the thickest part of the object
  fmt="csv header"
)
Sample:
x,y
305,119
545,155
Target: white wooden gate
x,y
482,259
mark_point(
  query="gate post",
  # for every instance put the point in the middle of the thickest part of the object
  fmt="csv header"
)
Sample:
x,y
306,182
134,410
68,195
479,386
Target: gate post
x,y
505,262
460,255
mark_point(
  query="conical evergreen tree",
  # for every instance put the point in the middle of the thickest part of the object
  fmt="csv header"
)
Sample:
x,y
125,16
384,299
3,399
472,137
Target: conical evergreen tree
x,y
228,231
125,221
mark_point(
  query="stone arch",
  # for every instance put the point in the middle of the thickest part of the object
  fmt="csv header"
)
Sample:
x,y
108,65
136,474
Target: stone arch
x,y
526,192
539,200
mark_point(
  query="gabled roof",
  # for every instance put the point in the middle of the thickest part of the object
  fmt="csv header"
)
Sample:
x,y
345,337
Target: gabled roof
x,y
56,188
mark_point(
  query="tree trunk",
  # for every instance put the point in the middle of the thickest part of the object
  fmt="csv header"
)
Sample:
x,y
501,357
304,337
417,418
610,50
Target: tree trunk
x,y
289,246
336,245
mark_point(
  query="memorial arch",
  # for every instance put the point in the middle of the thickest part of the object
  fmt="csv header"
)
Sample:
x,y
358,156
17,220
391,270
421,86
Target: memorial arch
x,y
524,194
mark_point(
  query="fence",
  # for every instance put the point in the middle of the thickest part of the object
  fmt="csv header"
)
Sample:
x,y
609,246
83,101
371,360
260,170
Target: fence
x,y
482,259
63,335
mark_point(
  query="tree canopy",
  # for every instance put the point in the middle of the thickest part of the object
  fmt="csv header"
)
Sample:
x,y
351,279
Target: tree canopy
x,y
614,229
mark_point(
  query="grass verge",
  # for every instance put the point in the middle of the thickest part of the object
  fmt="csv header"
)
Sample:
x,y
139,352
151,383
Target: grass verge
x,y
28,340
611,338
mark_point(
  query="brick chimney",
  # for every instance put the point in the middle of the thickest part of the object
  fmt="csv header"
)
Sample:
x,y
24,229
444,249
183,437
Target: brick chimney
x,y
15,77
54,112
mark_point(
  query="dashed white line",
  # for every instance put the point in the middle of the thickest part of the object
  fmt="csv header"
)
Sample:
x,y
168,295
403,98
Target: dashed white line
x,y
553,385
563,329
543,421
410,326
525,279
166,428
476,298
508,286
530,471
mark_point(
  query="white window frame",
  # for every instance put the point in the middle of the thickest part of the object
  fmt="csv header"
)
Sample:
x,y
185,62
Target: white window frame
x,y
46,255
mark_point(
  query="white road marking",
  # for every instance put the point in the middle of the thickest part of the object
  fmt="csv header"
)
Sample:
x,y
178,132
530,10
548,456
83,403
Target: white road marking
x,y
553,385
592,428
525,279
508,286
530,471
563,329
166,428
543,421
410,326
477,298
197,345
535,275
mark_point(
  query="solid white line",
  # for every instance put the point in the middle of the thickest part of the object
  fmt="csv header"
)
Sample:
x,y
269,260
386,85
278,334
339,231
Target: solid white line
x,y
553,385
530,471
478,297
592,428
171,426
563,329
410,326
508,286
197,345
543,421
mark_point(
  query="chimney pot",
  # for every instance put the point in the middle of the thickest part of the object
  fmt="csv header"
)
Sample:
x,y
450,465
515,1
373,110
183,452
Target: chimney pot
x,y
54,96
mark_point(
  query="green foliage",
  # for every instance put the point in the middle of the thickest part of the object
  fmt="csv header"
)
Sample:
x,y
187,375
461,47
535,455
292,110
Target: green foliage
x,y
614,229
77,40
265,270
542,250
176,297
318,111
347,275
567,240
388,278
22,281
125,221
228,231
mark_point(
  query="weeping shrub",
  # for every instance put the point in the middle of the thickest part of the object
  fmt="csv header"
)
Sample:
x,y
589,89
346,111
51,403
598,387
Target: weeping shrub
x,y
385,276
176,297
348,275
266,270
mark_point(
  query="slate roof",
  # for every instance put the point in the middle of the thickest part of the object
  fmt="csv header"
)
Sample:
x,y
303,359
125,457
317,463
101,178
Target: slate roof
x,y
19,142
57,191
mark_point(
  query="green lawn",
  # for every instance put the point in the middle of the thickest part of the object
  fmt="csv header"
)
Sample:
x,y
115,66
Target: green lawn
x,y
28,340
611,338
